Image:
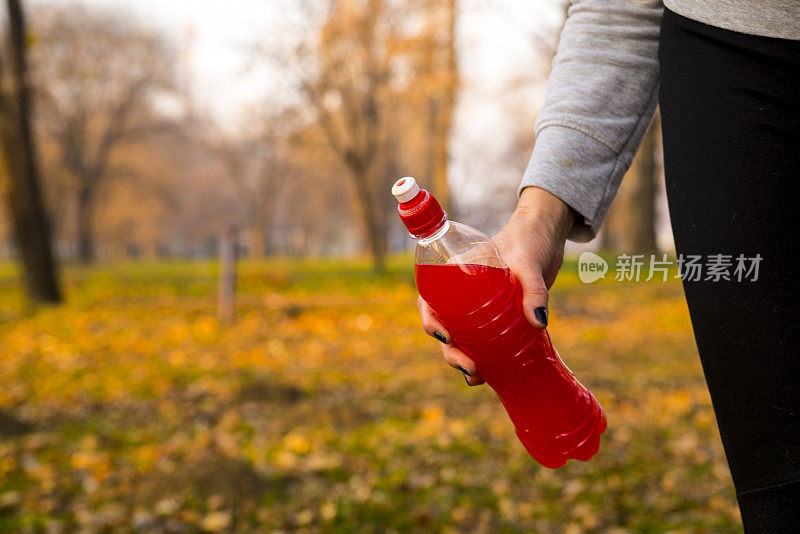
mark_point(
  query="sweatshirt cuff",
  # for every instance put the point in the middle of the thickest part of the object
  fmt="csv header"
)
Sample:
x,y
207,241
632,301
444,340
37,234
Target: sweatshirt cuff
x,y
578,169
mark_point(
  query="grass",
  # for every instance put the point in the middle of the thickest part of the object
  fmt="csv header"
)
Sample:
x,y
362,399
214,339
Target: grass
x,y
325,408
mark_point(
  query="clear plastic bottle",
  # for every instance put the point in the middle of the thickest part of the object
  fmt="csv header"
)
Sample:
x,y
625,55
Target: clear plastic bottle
x,y
461,276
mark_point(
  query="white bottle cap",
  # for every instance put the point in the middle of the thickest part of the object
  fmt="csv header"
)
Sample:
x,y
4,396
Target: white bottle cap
x,y
405,189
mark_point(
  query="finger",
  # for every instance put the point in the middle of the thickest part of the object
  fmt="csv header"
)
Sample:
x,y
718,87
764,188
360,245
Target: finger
x,y
473,380
534,298
457,359
430,323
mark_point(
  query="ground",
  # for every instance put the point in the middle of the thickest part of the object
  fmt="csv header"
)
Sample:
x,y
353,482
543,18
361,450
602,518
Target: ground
x,y
324,407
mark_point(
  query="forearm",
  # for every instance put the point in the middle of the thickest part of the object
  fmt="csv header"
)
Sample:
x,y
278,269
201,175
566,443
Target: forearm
x,y
600,99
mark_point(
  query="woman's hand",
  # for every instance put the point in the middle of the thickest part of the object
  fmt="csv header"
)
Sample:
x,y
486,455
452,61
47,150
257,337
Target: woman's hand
x,y
532,245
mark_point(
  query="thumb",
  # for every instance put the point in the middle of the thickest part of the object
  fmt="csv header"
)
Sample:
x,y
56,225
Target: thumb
x,y
534,298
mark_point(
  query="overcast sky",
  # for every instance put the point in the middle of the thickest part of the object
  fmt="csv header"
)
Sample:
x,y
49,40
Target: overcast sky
x,y
494,41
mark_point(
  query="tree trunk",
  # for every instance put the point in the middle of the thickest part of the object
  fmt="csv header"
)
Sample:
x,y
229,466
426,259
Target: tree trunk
x,y
19,159
607,241
643,194
376,233
256,247
226,299
86,250
378,245
374,220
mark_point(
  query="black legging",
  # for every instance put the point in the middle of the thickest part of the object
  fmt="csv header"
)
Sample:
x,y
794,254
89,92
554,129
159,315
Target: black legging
x,y
730,106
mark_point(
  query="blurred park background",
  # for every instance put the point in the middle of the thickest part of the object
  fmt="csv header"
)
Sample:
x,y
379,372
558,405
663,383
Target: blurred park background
x,y
207,306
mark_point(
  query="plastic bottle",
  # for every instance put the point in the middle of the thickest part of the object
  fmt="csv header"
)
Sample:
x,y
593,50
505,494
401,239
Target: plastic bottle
x,y
461,276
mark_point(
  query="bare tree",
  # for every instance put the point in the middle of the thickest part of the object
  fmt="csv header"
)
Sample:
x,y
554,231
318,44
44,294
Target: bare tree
x,y
353,70
97,75
344,75
20,165
379,83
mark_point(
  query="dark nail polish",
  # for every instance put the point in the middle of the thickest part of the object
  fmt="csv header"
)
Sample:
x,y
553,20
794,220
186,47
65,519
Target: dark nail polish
x,y
440,337
462,370
541,314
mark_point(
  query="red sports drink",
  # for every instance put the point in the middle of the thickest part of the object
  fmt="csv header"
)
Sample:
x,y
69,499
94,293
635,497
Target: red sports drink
x,y
461,276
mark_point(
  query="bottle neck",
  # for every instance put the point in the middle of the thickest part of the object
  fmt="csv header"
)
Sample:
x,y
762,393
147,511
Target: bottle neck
x,y
436,234
422,215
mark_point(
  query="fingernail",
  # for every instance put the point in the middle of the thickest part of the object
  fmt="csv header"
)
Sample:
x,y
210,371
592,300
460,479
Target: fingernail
x,y
462,370
541,314
467,381
440,337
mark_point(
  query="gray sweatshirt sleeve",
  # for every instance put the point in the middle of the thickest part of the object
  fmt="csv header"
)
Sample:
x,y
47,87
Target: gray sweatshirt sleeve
x,y
601,96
